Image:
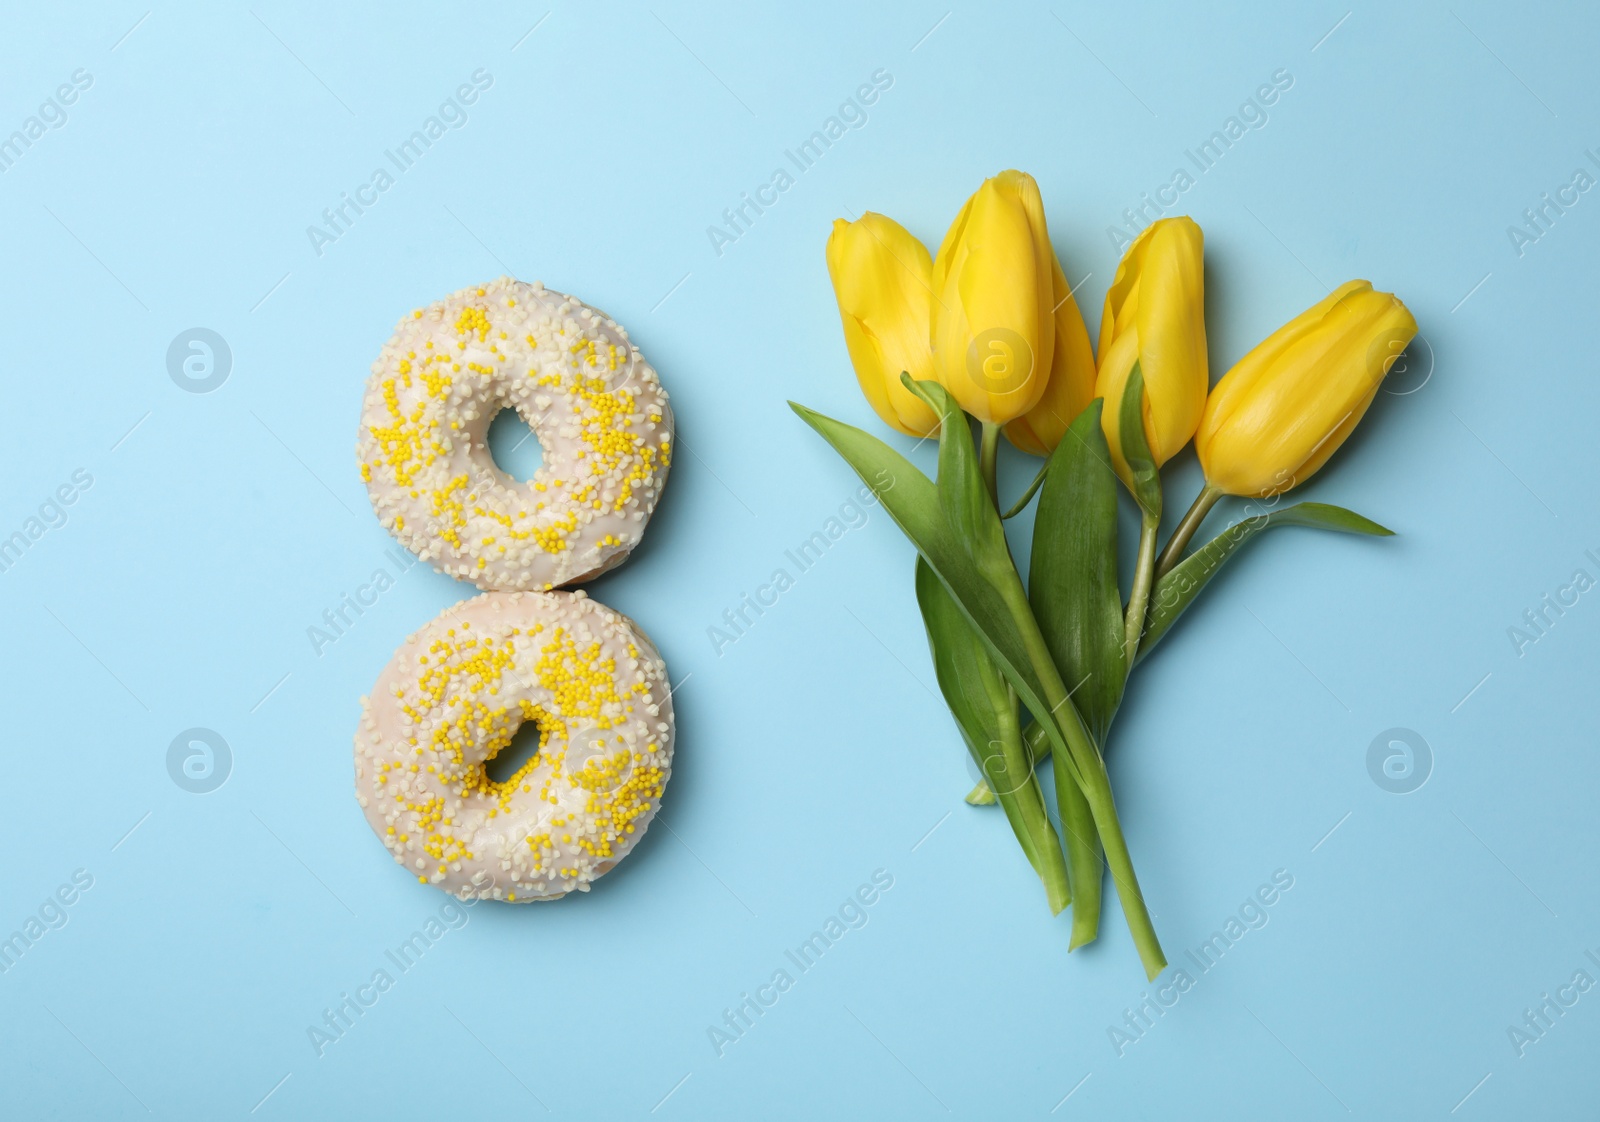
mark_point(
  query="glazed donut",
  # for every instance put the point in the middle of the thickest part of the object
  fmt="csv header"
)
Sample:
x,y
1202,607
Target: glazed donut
x,y
596,406
456,692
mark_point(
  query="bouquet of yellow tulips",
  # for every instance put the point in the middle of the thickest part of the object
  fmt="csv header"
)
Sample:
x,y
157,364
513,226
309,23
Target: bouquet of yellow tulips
x,y
987,330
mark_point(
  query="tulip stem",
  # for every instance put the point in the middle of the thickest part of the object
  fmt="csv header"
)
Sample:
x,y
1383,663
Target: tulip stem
x,y
1173,553
988,452
1143,578
1077,821
1098,794
1085,768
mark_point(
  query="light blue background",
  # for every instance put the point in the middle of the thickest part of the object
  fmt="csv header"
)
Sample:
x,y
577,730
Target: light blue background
x,y
220,526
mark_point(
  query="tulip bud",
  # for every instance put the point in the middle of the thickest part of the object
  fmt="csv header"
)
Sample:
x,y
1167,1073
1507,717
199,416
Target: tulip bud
x,y
882,277
1155,315
1284,408
1070,387
993,331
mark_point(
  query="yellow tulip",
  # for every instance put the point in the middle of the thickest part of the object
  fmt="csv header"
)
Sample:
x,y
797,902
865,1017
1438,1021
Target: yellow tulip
x,y
993,330
1155,315
1070,387
882,277
1284,408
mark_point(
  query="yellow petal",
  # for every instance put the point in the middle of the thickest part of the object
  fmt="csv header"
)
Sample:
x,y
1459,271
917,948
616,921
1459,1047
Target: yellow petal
x,y
1243,381
1070,388
1109,384
1288,405
1172,334
882,278
1155,314
992,326
1122,298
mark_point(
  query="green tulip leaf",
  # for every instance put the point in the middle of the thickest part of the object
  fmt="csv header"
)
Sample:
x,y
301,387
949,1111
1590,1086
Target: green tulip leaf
x,y
1146,483
970,508
1178,589
912,500
963,495
976,692
1037,743
1072,579
1022,504
985,710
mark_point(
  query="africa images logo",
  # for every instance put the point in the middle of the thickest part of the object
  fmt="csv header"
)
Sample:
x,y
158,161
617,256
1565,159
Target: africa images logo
x,y
51,113
339,218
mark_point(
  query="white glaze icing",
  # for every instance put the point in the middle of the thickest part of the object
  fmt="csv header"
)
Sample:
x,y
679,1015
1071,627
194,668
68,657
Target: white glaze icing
x,y
456,692
595,405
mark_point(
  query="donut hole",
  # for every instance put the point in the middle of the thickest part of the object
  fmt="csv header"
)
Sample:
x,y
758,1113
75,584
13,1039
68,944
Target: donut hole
x,y
524,746
513,446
